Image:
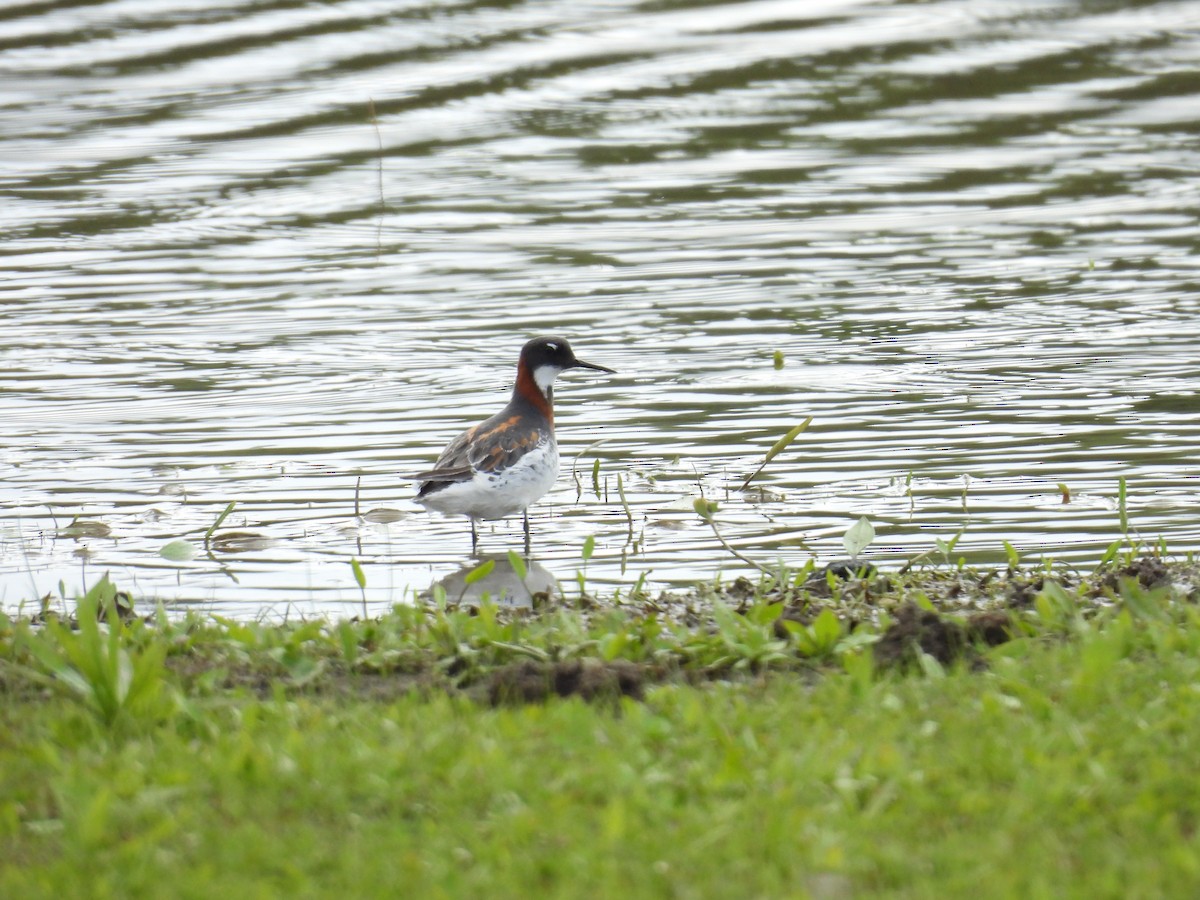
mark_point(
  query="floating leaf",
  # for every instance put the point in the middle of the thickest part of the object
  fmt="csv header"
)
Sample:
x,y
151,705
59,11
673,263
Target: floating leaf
x,y
778,359
178,551
85,528
1065,491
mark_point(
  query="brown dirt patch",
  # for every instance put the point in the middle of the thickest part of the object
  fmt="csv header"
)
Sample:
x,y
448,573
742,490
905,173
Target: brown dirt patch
x,y
946,640
530,681
919,630
1149,572
990,628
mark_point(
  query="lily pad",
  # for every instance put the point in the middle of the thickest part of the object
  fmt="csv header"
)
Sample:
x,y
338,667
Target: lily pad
x,y
85,528
178,551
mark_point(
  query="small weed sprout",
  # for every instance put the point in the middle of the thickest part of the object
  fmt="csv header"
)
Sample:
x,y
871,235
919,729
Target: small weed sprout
x,y
114,677
779,446
857,538
589,547
705,509
1012,556
360,578
217,524
946,547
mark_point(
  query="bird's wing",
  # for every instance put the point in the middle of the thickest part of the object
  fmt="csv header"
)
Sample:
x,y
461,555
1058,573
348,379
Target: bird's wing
x,y
489,447
502,445
452,465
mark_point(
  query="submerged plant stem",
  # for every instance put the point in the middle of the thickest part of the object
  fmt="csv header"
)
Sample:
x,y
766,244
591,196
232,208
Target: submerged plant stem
x,y
724,543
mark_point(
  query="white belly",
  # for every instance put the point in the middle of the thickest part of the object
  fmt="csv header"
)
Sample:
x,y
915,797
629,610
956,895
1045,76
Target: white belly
x,y
504,493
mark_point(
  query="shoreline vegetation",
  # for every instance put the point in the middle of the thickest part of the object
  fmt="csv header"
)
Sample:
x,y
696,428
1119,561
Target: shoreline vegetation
x,y
826,733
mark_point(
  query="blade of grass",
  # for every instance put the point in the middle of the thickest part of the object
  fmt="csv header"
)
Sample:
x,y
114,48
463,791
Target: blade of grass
x,y
779,447
217,524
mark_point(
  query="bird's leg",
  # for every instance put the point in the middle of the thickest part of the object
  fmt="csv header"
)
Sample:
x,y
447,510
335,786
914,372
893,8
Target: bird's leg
x,y
474,535
526,532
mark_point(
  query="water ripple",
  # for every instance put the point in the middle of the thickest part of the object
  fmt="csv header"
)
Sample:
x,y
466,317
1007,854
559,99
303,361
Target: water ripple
x,y
280,254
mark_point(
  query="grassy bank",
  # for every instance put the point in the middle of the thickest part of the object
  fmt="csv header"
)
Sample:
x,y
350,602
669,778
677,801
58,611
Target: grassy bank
x,y
798,736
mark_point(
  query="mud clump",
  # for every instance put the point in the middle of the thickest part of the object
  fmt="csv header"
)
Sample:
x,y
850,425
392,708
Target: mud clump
x,y
533,682
1149,571
919,630
1022,594
990,628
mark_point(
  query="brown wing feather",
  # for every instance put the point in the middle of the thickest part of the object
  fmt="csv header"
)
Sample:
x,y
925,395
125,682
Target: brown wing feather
x,y
488,447
453,465
453,460
499,448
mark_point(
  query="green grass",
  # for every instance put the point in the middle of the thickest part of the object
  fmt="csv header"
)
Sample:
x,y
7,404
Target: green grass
x,y
762,761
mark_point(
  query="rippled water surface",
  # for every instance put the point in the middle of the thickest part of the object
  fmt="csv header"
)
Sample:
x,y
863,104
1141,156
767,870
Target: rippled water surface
x,y
279,253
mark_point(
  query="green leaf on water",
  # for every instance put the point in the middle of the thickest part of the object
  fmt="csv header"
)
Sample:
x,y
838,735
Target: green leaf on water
x,y
178,551
589,547
858,537
80,528
704,508
778,359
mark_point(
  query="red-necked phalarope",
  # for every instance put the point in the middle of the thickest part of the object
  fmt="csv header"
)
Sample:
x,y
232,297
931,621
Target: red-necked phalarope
x,y
507,462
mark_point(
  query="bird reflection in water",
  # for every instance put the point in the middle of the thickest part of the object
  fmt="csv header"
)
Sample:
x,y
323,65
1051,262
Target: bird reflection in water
x,y
502,585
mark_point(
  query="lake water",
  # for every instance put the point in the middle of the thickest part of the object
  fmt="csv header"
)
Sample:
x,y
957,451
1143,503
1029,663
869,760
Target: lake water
x,y
279,253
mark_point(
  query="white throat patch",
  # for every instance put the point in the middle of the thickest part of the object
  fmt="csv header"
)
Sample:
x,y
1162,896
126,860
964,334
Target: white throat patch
x,y
543,377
